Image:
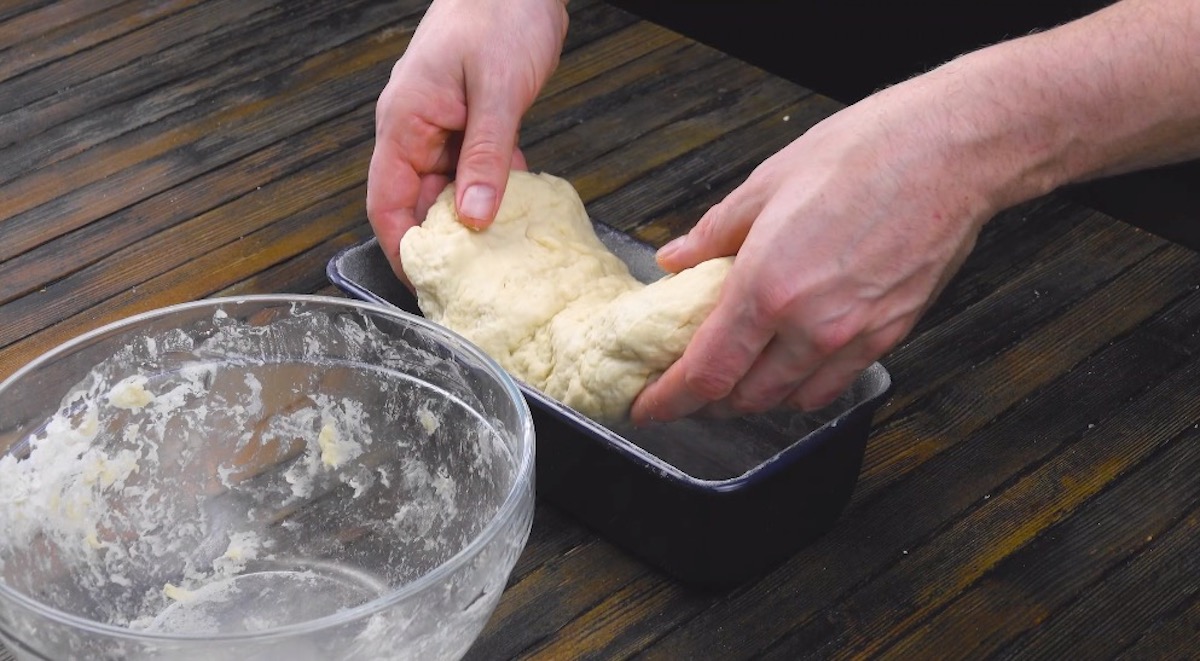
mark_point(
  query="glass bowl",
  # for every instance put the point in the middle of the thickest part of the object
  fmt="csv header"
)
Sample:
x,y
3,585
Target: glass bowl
x,y
293,477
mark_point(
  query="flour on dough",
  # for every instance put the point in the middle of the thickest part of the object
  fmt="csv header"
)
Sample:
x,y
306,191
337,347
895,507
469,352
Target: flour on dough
x,y
539,293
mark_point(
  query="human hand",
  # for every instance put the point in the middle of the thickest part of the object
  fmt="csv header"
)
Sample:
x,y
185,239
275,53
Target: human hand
x,y
452,109
843,239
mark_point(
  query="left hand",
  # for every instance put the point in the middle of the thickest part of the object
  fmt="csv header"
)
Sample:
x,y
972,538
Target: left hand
x,y
452,108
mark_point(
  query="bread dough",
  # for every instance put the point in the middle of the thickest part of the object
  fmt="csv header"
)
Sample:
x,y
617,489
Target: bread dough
x,y
539,293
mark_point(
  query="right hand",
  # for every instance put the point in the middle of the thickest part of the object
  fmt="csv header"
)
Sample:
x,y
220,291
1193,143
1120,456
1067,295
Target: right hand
x,y
842,241
452,109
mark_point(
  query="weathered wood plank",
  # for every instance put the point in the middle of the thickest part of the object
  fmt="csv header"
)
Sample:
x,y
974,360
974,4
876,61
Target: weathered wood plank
x,y
83,32
596,58
640,114
260,51
33,21
985,391
1060,274
303,273
212,271
588,98
147,161
272,203
64,77
936,493
1003,251
43,265
554,594
614,169
166,153
1136,545
626,621
37,310
592,20
558,534
669,200
1174,637
13,8
991,539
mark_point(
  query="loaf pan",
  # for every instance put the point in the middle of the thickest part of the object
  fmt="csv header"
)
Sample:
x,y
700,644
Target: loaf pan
x,y
711,503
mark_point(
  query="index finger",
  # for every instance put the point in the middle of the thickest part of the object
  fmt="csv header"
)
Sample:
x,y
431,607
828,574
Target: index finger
x,y
393,188
407,150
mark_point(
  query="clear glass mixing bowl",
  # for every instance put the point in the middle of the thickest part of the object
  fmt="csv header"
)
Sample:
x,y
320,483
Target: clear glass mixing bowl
x,y
265,477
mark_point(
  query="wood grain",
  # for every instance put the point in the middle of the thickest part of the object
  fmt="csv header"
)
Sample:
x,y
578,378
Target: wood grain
x,y
1031,487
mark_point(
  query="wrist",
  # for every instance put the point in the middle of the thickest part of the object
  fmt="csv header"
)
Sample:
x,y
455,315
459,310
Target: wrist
x,y
948,136
1007,127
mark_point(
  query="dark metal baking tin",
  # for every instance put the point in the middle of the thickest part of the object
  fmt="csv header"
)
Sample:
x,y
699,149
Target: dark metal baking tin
x,y
713,503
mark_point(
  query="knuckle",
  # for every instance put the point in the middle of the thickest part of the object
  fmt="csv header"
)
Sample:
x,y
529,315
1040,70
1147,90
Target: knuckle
x,y
753,401
484,153
709,382
392,120
484,146
831,337
706,227
771,301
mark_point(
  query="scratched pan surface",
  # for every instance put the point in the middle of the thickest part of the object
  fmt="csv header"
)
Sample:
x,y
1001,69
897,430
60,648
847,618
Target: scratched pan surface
x,y
713,503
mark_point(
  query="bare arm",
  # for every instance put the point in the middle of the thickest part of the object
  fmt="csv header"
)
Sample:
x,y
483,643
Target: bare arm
x,y
1113,92
846,236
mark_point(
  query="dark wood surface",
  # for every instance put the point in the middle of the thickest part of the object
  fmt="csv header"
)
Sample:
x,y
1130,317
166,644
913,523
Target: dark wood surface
x,y
1031,489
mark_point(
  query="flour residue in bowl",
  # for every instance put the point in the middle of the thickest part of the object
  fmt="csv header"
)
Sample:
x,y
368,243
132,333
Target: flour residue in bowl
x,y
191,460
91,495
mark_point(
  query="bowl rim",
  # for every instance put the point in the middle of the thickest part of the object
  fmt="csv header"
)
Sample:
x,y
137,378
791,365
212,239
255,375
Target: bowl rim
x,y
522,480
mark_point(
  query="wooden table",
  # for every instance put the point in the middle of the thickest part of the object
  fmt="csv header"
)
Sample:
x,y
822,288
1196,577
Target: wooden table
x,y
1031,489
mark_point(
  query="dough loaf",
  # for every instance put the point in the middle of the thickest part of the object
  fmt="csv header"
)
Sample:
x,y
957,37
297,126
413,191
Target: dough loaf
x,y
540,294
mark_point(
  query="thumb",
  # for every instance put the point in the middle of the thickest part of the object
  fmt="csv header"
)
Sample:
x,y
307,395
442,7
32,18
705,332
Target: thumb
x,y
719,233
489,141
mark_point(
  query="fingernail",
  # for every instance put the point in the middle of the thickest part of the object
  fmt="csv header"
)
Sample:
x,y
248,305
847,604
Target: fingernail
x,y
477,203
672,247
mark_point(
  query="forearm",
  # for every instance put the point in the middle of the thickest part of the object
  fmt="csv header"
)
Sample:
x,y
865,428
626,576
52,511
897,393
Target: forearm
x,y
1113,92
